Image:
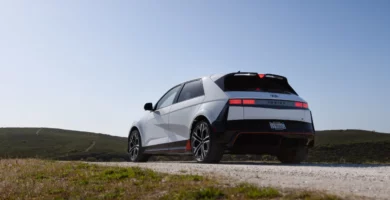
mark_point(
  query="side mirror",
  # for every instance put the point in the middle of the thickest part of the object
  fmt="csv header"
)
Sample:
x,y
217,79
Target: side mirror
x,y
148,106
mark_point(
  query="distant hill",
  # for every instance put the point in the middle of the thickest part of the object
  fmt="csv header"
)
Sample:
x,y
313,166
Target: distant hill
x,y
335,137
60,144
349,146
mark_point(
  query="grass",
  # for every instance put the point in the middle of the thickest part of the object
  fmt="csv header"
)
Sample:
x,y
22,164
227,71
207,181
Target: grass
x,y
253,192
335,146
347,137
48,143
309,195
39,179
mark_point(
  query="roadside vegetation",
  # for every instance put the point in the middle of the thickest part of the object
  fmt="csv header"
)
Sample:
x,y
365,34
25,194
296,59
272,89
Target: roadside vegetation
x,y
59,144
39,179
336,146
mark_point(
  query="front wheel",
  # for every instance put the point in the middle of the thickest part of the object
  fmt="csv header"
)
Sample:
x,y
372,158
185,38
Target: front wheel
x,y
135,148
203,144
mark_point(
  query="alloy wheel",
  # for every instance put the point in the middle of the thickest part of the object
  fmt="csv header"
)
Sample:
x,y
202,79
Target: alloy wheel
x,y
134,145
200,141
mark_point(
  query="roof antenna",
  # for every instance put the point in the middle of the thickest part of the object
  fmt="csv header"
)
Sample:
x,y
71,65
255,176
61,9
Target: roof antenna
x,y
238,71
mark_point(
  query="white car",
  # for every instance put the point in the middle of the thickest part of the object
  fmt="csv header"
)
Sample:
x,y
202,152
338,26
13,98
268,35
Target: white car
x,y
236,113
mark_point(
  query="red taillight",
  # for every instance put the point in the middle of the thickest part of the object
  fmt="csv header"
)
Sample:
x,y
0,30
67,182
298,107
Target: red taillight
x,y
248,101
235,101
301,105
242,101
261,75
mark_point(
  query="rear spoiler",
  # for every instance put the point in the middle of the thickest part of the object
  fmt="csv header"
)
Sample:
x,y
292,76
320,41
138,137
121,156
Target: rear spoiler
x,y
260,75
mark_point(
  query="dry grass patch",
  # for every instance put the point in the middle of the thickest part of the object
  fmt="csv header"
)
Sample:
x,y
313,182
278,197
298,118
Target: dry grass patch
x,y
38,179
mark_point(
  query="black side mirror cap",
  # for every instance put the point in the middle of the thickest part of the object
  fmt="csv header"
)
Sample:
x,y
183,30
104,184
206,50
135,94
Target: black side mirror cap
x,y
148,106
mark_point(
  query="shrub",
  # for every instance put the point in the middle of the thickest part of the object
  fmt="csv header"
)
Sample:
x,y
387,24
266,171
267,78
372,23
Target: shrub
x,y
91,159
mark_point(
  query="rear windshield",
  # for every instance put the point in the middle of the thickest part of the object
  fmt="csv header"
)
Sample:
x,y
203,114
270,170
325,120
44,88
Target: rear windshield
x,y
255,83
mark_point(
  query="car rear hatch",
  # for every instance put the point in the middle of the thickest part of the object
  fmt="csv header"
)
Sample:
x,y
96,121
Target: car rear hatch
x,y
263,97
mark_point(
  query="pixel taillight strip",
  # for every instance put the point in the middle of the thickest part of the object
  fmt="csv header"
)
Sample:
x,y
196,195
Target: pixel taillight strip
x,y
241,101
301,105
253,102
235,101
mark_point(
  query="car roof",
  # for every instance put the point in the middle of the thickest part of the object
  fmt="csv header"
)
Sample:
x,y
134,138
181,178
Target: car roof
x,y
215,76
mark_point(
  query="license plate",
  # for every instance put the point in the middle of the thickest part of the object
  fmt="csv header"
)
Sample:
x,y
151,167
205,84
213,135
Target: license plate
x,y
277,126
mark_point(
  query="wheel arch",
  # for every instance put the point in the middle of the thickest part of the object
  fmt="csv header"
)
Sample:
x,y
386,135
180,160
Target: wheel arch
x,y
131,130
197,119
209,111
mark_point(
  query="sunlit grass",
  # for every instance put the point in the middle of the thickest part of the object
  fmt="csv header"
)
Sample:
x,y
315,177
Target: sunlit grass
x,y
38,179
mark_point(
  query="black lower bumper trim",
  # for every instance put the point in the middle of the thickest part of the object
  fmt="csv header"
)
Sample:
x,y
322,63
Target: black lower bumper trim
x,y
261,126
264,126
259,132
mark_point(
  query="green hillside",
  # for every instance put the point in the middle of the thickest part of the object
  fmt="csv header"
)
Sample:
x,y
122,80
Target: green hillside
x,y
336,146
336,137
60,144
351,146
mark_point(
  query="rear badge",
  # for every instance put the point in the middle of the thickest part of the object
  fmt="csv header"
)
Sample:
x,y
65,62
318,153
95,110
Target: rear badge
x,y
277,126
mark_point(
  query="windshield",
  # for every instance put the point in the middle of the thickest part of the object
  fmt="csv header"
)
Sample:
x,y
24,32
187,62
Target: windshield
x,y
255,83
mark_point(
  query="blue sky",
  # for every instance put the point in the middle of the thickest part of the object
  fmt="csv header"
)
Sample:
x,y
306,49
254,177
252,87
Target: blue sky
x,y
91,65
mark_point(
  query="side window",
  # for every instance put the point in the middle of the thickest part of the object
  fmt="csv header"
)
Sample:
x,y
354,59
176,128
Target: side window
x,y
191,90
168,98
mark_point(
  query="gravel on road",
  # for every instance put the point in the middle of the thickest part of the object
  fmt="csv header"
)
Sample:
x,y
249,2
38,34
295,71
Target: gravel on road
x,y
372,181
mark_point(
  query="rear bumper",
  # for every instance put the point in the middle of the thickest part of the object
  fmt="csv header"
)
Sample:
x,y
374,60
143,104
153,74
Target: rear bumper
x,y
256,136
264,126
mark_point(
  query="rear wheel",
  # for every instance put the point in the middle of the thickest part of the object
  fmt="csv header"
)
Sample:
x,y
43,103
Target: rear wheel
x,y
293,155
135,148
203,144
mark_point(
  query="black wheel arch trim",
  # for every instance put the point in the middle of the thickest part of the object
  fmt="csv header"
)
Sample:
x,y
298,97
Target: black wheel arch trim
x,y
219,124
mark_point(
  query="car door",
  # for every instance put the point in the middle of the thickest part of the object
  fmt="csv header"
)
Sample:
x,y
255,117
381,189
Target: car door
x,y
183,112
156,133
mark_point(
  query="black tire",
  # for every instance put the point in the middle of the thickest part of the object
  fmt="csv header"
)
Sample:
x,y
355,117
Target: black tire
x,y
204,146
135,150
293,155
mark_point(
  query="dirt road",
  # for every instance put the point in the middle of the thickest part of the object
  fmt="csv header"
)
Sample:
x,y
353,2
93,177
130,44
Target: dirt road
x,y
362,180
